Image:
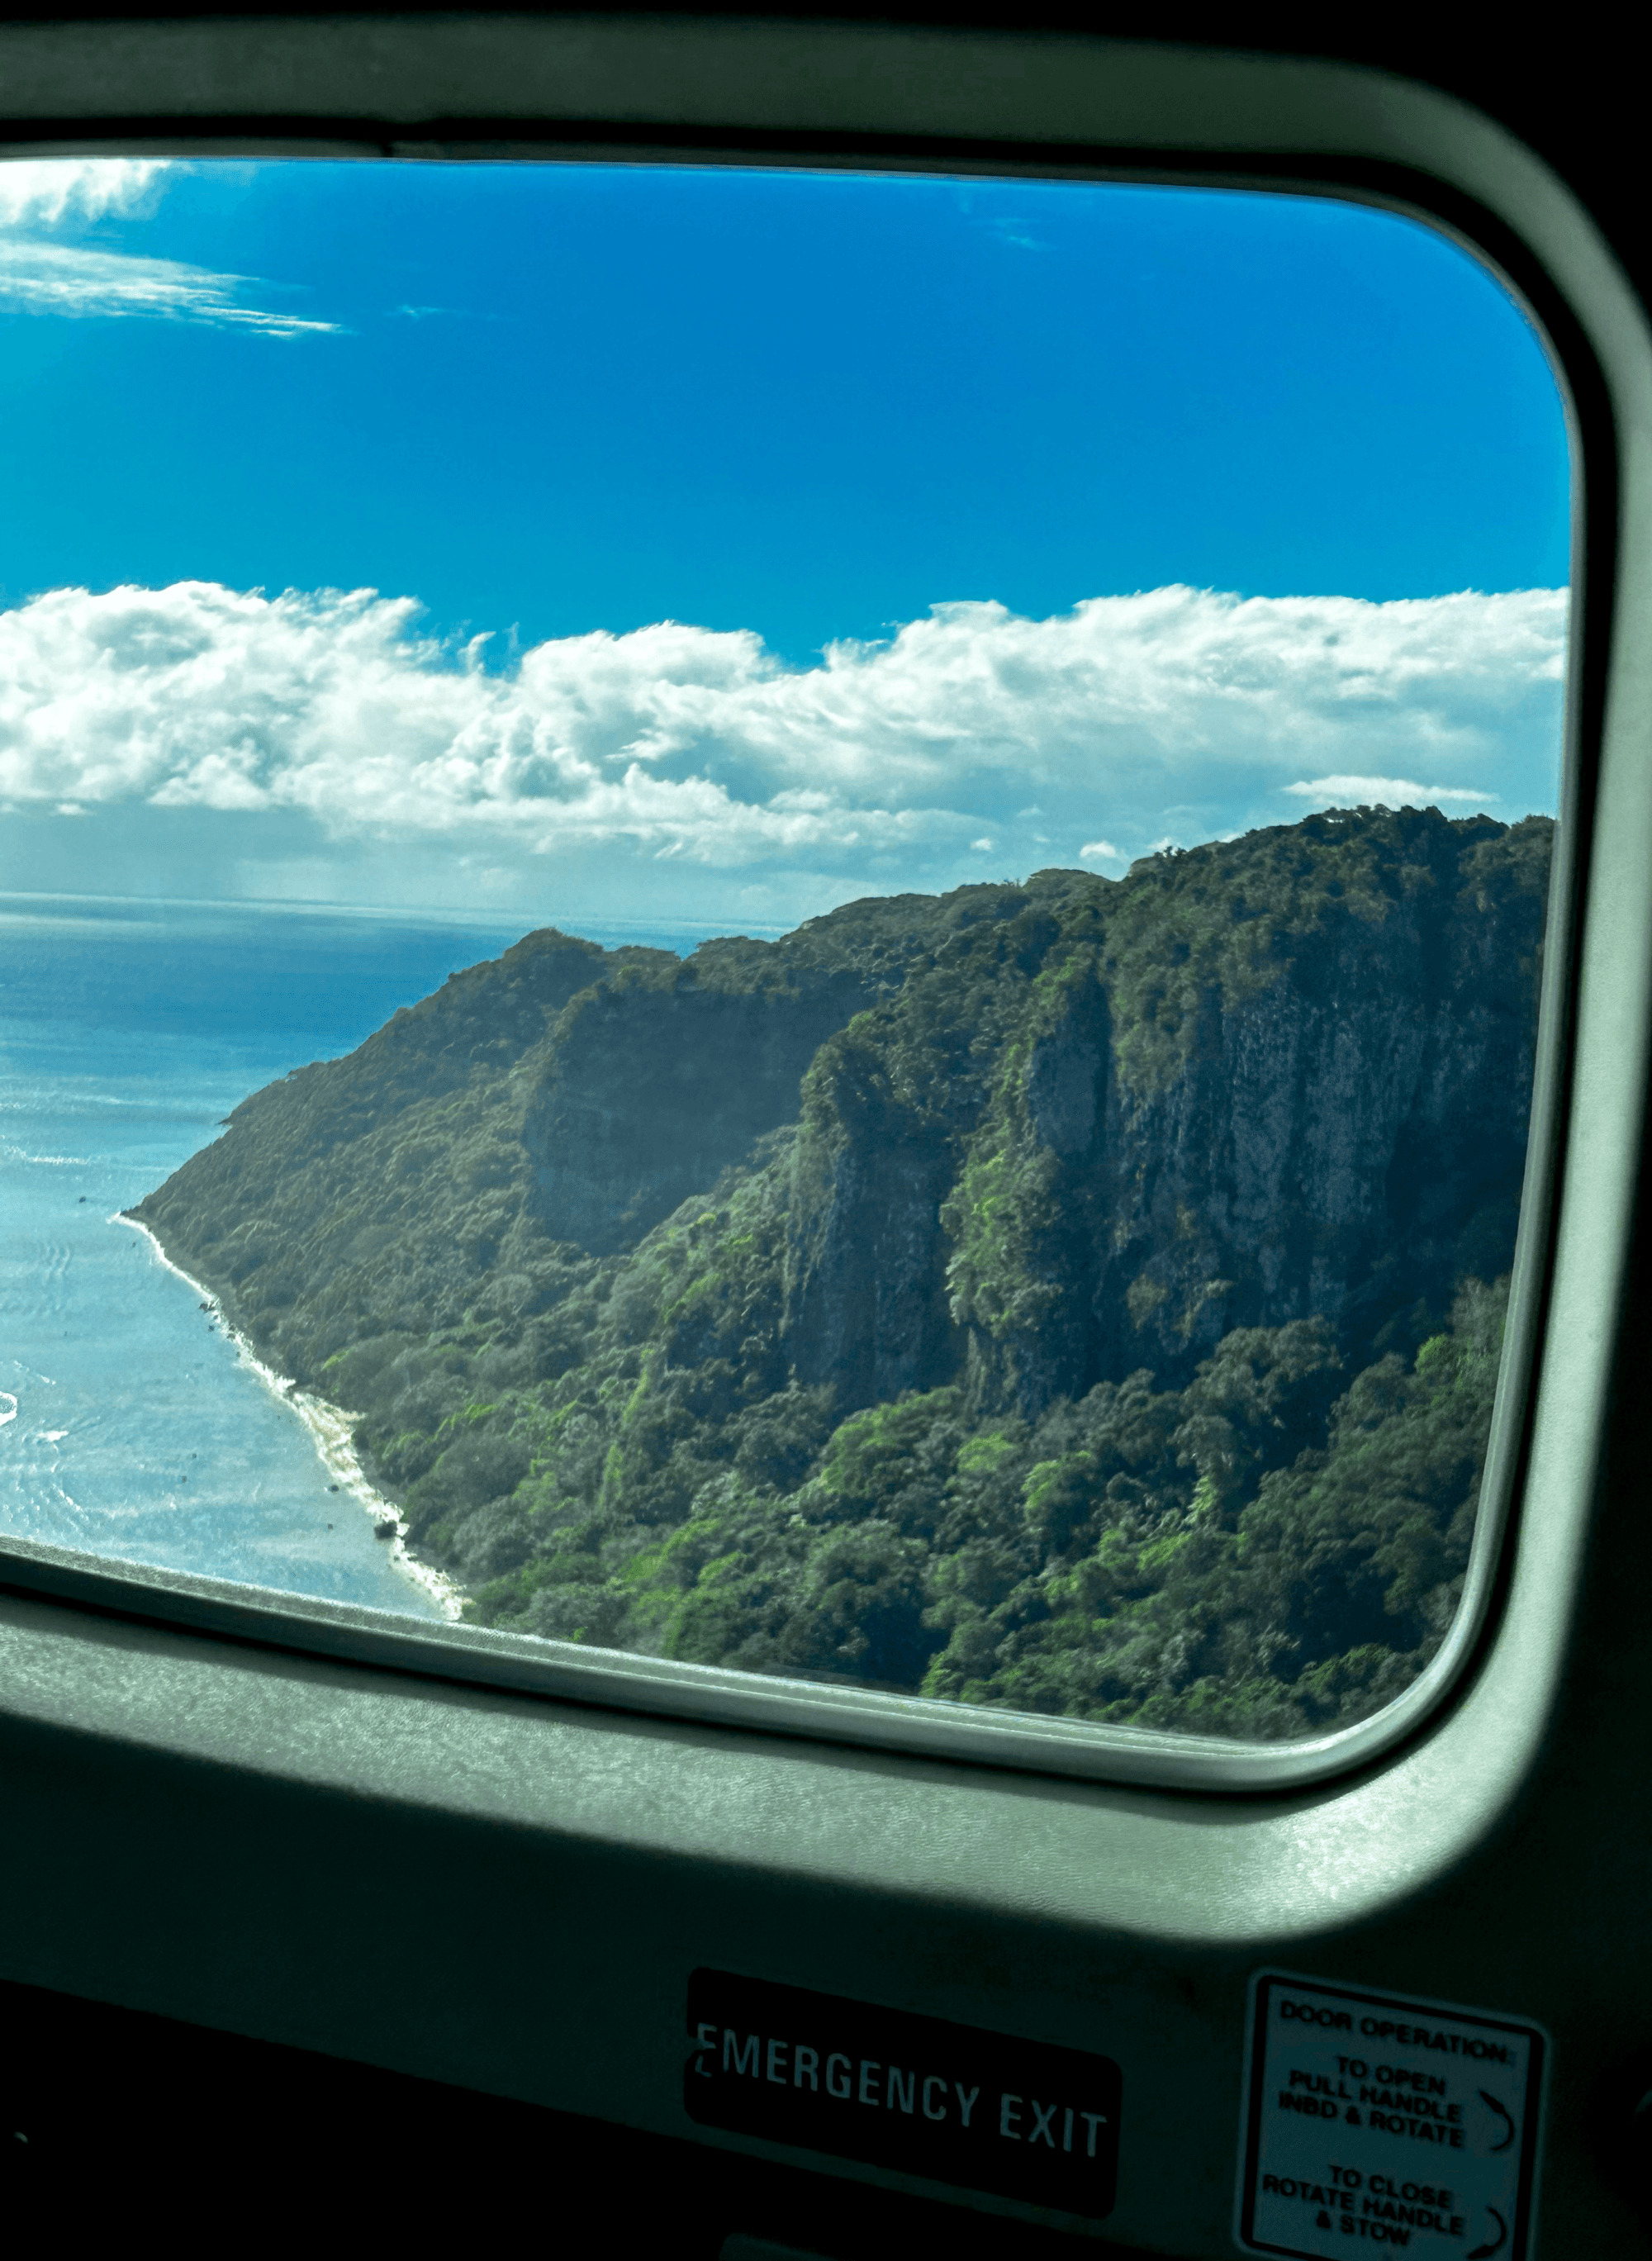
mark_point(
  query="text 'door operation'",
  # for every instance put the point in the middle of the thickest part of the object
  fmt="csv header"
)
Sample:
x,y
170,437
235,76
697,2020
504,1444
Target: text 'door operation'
x,y
1374,2121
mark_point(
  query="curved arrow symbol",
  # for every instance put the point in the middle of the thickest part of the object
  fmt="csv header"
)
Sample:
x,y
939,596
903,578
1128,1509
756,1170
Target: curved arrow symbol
x,y
1480,2252
1504,2117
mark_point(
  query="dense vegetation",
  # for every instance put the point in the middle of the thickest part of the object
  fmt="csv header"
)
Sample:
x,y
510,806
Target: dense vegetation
x,y
1080,1296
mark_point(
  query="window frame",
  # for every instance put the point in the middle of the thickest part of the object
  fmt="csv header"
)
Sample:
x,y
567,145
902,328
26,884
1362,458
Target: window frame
x,y
1118,1754
147,1719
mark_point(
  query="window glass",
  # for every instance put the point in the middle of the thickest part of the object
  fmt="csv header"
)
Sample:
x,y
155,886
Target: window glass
x,y
788,919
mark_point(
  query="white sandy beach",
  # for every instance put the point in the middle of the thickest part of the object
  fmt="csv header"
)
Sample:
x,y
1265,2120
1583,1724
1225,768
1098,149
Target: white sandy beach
x,y
330,1432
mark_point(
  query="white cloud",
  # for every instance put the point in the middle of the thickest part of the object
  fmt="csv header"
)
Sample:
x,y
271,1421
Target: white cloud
x,y
63,278
1174,677
1387,792
41,276
892,758
42,191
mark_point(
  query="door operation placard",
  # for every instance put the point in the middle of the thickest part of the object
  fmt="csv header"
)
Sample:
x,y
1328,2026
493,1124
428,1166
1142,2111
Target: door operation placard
x,y
1374,2121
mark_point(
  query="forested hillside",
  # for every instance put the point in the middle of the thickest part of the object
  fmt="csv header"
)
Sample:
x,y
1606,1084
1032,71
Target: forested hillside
x,y
1083,1296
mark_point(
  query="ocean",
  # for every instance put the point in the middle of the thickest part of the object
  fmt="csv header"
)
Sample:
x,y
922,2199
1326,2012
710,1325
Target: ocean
x,y
132,1424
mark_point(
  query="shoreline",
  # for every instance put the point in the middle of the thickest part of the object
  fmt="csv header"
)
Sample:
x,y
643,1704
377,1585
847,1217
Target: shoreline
x,y
329,1431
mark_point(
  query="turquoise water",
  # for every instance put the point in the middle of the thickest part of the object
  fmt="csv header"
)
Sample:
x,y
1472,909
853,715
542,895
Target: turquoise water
x,y
131,1425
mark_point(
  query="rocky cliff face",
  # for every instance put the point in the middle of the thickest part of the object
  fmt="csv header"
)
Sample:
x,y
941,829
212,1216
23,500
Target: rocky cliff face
x,y
1326,1117
865,1307
659,1077
1046,1134
1078,1296
1346,1141
655,1085
562,1097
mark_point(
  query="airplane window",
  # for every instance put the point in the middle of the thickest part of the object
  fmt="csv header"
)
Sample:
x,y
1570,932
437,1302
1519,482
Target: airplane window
x,y
787,921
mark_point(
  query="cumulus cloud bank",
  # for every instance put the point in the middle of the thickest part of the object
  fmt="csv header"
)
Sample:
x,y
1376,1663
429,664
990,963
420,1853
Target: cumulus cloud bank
x,y
1178,712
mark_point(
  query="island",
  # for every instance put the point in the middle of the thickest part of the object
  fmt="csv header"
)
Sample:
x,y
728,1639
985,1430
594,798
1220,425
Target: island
x,y
1082,1297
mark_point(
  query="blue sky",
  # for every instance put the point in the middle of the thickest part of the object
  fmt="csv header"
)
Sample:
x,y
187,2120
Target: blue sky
x,y
553,407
